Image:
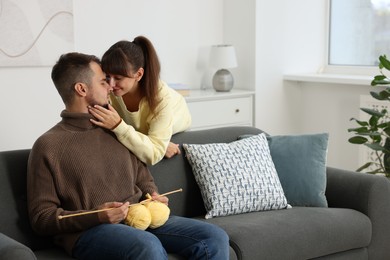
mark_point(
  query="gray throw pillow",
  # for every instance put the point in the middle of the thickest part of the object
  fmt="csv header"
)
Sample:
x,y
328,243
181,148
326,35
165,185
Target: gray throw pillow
x,y
300,161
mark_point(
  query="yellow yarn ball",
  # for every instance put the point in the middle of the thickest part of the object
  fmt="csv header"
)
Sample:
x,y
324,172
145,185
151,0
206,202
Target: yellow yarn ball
x,y
159,213
138,217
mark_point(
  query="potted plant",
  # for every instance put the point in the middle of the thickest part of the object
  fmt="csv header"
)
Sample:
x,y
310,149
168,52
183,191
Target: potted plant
x,y
375,132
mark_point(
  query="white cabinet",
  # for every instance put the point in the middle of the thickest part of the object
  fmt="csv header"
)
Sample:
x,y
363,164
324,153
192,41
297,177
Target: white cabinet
x,y
211,109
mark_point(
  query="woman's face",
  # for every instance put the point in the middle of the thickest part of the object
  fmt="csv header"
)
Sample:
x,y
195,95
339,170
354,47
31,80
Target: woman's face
x,y
122,85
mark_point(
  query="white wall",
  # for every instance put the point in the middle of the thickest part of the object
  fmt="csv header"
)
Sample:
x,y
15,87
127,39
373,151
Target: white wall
x,y
291,37
328,108
285,37
271,38
181,31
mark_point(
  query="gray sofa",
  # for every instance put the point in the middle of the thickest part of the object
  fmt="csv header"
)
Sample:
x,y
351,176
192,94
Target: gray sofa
x,y
356,225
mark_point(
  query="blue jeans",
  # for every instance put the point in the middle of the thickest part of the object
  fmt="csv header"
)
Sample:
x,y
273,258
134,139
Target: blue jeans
x,y
190,238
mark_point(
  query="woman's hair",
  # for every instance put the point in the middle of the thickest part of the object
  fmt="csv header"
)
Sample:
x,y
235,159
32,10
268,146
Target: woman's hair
x,y
125,58
72,68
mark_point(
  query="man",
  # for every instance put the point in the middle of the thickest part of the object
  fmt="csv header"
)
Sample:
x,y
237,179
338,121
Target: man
x,y
77,166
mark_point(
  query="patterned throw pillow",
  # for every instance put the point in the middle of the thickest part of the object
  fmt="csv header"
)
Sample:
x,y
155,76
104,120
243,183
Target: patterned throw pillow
x,y
236,177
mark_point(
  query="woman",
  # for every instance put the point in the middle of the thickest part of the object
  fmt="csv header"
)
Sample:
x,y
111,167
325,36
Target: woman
x,y
145,112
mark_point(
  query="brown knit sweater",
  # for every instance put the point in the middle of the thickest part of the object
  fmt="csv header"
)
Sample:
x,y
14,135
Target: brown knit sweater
x,y
74,167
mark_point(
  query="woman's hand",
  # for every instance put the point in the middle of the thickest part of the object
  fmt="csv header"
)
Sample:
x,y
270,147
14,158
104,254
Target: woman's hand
x,y
172,150
116,214
106,118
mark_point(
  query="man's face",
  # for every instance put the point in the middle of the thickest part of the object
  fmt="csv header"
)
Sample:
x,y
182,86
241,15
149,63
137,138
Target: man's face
x,y
99,89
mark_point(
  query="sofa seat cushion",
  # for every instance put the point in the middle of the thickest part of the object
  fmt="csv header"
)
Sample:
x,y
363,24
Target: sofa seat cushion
x,y
11,249
52,253
297,233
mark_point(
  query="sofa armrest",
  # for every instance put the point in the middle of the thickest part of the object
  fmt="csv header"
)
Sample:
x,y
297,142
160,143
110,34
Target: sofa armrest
x,y
369,194
11,249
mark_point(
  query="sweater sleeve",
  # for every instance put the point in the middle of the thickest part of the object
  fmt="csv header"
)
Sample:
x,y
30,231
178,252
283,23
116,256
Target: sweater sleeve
x,y
150,147
144,181
44,205
147,135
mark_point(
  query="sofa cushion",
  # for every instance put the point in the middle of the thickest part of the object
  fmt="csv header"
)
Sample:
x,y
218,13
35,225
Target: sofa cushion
x,y
297,233
236,177
11,249
300,161
56,253
13,194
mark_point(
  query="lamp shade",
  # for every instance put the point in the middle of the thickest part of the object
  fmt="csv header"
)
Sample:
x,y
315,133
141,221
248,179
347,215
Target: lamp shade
x,y
223,56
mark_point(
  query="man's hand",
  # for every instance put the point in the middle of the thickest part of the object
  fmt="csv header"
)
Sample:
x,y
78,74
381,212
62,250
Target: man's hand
x,y
172,150
163,199
106,118
116,214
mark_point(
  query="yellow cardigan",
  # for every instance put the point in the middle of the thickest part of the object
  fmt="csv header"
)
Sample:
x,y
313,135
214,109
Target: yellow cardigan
x,y
147,135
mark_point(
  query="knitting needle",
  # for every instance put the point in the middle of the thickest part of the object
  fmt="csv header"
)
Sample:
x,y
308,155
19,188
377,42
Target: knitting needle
x,y
161,195
106,209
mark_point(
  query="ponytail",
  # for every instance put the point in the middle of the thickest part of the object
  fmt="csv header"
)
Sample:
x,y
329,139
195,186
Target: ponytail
x,y
150,81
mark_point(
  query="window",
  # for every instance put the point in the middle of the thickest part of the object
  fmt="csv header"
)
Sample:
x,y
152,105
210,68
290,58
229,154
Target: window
x,y
359,31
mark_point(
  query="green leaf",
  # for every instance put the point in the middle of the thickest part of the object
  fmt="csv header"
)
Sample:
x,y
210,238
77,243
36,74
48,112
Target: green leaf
x,y
357,140
358,130
380,82
375,146
362,123
373,112
387,130
383,125
376,95
374,134
376,138
366,165
383,95
374,121
380,77
379,170
369,133
366,132
384,61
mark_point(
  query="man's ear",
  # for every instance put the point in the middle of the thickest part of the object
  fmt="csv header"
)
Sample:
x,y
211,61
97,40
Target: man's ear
x,y
81,89
139,74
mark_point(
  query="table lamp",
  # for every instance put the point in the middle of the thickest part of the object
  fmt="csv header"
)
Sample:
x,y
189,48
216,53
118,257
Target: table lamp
x,y
223,57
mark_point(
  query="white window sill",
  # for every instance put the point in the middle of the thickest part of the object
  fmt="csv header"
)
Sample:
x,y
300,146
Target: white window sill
x,y
330,78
